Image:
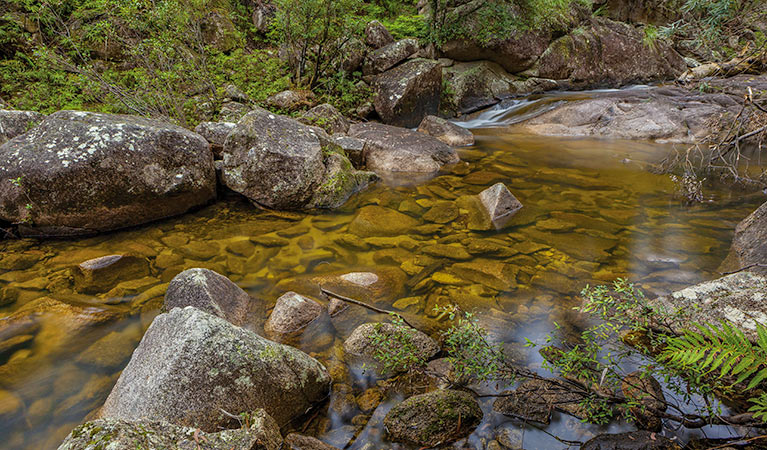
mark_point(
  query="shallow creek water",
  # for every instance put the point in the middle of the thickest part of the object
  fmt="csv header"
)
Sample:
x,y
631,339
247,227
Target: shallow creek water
x,y
591,214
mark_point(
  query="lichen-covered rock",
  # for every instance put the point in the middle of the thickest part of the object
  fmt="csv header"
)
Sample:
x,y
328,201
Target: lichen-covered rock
x,y
233,111
290,100
476,85
394,149
447,132
14,123
191,365
376,35
115,434
409,92
281,163
737,298
499,202
595,54
438,417
360,347
353,148
749,244
82,172
215,133
389,56
102,274
327,117
291,313
211,292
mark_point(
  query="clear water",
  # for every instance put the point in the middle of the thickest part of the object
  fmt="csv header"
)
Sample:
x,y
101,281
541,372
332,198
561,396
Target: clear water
x,y
591,214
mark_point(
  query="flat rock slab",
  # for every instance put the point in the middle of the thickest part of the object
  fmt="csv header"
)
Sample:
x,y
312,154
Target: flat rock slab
x,y
738,298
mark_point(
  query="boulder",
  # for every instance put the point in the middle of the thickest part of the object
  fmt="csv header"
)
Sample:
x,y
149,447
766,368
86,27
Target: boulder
x,y
514,53
394,149
191,365
438,417
218,31
353,54
678,116
475,85
749,244
361,347
263,433
327,117
290,100
236,94
595,54
632,440
211,292
291,314
376,35
645,390
353,148
281,163
447,132
15,123
233,111
737,298
499,203
389,56
295,441
215,133
102,274
409,92
81,172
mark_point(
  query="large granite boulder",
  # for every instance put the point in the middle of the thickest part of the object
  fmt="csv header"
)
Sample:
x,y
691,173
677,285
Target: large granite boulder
x,y
409,92
211,292
595,54
280,163
515,52
327,117
82,172
263,433
394,149
190,366
749,245
476,85
14,123
441,416
447,132
388,56
376,35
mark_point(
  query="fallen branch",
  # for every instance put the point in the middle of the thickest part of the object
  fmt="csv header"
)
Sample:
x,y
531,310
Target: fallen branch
x,y
365,305
750,266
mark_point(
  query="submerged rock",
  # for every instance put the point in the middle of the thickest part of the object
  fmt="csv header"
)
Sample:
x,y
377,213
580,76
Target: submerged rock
x,y
281,163
409,92
361,346
115,434
388,56
102,274
438,417
447,132
191,365
394,149
375,220
210,292
82,172
14,123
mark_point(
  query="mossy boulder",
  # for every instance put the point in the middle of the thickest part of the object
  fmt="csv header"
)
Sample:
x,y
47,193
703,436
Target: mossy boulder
x,y
116,434
341,181
190,366
327,117
475,85
362,347
438,417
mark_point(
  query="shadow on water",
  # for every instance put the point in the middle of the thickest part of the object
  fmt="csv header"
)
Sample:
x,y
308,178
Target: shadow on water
x,y
591,214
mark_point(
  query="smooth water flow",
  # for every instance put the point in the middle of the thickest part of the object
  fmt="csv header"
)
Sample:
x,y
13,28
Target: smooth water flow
x,y
591,214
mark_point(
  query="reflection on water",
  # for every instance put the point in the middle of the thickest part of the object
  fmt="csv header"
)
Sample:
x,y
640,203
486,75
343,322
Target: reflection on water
x,y
591,214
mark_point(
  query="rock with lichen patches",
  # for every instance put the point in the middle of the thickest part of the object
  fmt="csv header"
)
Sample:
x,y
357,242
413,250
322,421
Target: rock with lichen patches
x,y
263,433
15,123
190,366
388,56
438,417
82,172
363,347
210,292
409,92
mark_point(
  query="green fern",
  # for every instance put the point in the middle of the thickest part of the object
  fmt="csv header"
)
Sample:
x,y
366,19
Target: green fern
x,y
706,349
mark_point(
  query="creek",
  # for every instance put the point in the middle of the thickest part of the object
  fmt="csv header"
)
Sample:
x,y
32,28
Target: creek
x,y
592,213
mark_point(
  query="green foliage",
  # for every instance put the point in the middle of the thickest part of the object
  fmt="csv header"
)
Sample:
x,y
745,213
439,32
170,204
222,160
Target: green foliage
x,y
408,26
395,350
706,23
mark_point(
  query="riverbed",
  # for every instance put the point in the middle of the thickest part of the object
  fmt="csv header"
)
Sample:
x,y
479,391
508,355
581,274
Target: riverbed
x,y
592,213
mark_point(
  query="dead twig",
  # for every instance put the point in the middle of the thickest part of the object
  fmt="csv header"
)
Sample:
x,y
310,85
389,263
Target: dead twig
x,y
365,305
